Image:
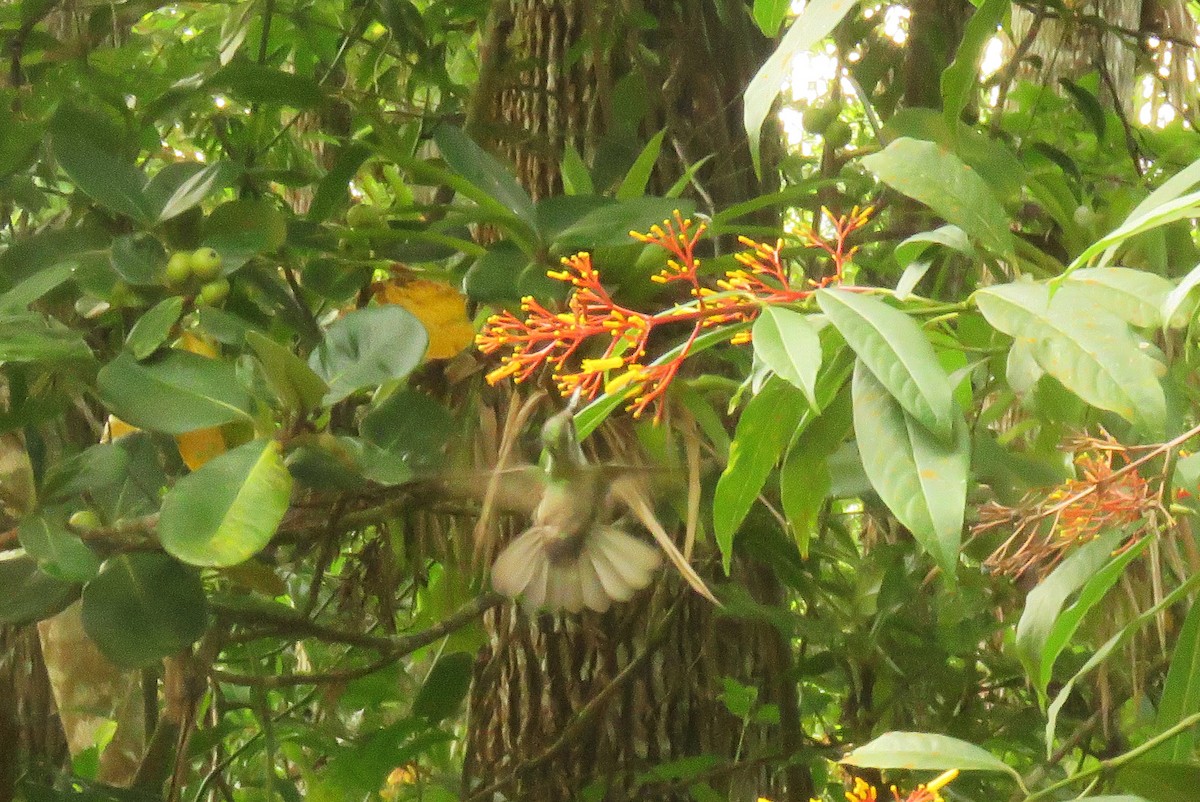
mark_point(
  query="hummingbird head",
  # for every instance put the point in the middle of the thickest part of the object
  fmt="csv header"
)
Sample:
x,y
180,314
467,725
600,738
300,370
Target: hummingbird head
x,y
561,442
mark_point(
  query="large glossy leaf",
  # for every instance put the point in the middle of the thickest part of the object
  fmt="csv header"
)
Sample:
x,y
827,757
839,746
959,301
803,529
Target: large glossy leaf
x,y
804,478
1092,352
295,384
204,181
227,511
764,429
176,393
921,480
29,594
1047,624
1135,296
58,550
483,171
1159,781
789,345
257,83
811,27
244,228
410,425
1181,692
95,170
924,750
31,337
960,78
368,347
947,185
144,606
895,349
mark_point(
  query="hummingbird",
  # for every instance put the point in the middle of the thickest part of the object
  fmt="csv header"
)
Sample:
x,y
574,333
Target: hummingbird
x,y
573,555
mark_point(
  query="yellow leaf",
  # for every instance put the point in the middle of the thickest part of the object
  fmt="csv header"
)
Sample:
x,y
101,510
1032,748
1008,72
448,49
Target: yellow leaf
x,y
441,309
118,428
200,446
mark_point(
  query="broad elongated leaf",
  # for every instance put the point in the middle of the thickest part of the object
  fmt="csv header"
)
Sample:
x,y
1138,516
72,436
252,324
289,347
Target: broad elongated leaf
x,y
257,83
445,687
1135,296
961,77
27,593
368,347
1178,209
176,393
227,511
244,228
951,237
769,15
764,429
1181,692
58,550
1093,353
815,23
804,478
484,172
31,289
203,182
153,327
109,180
790,346
32,337
611,223
925,750
921,480
333,191
1174,302
635,181
1158,781
142,607
948,186
296,386
1046,627
410,425
895,349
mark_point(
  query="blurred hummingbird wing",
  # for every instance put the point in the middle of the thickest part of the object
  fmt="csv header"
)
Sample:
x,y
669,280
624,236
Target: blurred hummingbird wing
x,y
629,494
520,563
622,563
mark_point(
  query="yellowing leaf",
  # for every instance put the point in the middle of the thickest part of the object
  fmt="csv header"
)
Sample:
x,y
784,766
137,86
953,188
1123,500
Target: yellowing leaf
x,y
118,428
441,309
201,445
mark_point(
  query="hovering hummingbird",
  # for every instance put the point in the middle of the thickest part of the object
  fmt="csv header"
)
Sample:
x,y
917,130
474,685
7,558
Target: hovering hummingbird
x,y
573,555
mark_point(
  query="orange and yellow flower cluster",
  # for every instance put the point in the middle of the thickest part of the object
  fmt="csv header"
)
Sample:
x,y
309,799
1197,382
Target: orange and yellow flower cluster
x,y
597,345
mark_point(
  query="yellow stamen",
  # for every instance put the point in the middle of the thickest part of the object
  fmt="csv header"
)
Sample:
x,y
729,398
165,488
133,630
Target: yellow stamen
x,y
597,365
941,781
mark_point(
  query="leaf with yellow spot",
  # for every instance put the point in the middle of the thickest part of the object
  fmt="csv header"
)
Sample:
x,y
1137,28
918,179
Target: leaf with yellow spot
x,y
199,446
440,307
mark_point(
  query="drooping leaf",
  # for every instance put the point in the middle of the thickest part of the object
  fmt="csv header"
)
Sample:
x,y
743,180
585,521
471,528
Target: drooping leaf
x,y
611,223
445,687
244,228
58,550
764,429
925,750
366,348
144,606
153,327
1173,304
483,171
333,191
812,26
948,186
229,509
960,78
139,260
790,346
32,337
175,393
915,246
27,593
295,384
921,480
1157,780
25,292
1093,353
1135,296
895,349
258,83
206,180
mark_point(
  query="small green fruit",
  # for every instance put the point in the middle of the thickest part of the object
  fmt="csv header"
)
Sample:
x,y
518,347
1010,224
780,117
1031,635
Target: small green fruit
x,y
179,269
818,118
365,216
84,519
837,135
213,292
206,264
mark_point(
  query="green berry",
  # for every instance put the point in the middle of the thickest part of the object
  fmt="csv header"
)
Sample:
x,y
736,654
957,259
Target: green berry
x,y
818,118
206,264
179,269
837,135
365,216
214,292
84,519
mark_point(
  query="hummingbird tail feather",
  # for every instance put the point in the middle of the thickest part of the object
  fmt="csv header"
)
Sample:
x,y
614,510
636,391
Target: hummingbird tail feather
x,y
623,565
520,563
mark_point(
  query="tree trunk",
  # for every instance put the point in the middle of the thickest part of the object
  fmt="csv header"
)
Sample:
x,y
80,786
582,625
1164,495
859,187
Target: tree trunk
x,y
564,704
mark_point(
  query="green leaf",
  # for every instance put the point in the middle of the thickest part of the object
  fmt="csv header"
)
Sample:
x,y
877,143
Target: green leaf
x,y
920,479
1181,692
485,172
58,550
764,429
1174,302
611,223
34,287
1093,353
153,327
789,345
175,393
411,425
960,78
1136,223
202,183
27,593
951,237
138,259
577,180
26,338
96,171
897,352
1045,627
804,478
368,347
948,186
294,383
925,750
445,687
814,23
333,191
635,181
1089,106
770,14
144,606
241,229
226,512
493,276
1158,781
257,83
1135,296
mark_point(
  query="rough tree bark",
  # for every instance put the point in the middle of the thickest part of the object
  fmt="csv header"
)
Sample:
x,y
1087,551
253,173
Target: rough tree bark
x,y
559,705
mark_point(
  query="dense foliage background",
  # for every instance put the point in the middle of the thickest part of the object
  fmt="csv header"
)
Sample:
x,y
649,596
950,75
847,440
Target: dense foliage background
x,y
905,358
